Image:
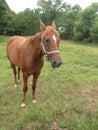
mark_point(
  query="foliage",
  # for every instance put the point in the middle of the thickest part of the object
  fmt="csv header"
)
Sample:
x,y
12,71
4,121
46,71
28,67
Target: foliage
x,y
77,24
24,23
85,22
50,9
5,17
94,30
67,19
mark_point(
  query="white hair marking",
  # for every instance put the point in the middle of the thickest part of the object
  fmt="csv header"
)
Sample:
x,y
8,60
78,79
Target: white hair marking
x,y
54,38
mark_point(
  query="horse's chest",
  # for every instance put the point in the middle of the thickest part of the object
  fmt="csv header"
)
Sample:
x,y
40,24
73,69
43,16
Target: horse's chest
x,y
33,66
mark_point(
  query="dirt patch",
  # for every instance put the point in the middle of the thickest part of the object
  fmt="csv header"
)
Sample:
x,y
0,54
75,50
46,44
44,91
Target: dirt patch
x,y
90,93
56,127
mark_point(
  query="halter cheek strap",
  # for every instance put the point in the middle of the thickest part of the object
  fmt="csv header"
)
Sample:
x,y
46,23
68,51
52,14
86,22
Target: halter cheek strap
x,y
47,53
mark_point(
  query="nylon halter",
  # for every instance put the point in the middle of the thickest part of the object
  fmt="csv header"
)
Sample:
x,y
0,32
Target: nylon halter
x,y
47,53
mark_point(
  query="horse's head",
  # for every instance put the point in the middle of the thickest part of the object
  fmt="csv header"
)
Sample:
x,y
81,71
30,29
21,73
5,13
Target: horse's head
x,y
50,44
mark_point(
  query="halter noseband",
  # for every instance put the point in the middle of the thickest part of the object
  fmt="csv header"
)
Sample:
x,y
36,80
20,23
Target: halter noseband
x,y
47,53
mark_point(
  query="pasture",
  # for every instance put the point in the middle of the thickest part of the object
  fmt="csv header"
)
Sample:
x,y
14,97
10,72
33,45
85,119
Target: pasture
x,y
66,97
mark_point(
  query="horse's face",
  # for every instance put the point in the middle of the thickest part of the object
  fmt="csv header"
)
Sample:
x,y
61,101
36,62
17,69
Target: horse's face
x,y
50,44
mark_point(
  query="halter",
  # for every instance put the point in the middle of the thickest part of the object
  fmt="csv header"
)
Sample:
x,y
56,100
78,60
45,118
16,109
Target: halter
x,y
47,53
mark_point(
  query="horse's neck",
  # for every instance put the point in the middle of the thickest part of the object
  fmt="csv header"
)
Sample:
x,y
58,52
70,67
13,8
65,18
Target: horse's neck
x,y
36,41
34,45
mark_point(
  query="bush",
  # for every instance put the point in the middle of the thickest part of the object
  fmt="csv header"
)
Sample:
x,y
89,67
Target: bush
x,y
94,30
78,36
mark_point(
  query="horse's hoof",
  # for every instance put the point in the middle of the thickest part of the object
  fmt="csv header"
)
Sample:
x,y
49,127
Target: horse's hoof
x,y
34,101
15,86
23,105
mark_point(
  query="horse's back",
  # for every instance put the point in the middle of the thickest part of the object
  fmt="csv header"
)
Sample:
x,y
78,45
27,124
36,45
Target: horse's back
x,y
14,39
14,47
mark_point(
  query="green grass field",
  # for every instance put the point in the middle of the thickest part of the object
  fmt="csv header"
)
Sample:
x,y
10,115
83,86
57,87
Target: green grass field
x,y
67,96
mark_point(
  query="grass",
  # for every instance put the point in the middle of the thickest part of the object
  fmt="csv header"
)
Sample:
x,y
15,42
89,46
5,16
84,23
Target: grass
x,y
67,95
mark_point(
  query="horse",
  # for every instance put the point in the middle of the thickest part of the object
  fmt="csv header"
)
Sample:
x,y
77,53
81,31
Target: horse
x,y
27,54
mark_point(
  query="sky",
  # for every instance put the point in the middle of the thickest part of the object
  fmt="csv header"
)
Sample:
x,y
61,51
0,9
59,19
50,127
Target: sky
x,y
20,5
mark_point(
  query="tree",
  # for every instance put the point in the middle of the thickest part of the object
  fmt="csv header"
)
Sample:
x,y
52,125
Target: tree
x,y
84,22
72,22
49,10
5,15
67,18
94,30
26,22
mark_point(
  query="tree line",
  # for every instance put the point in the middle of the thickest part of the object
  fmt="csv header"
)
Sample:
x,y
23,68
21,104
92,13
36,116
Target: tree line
x,y
73,22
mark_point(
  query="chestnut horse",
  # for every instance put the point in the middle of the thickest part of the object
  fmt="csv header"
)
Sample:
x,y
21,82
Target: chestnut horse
x,y
28,55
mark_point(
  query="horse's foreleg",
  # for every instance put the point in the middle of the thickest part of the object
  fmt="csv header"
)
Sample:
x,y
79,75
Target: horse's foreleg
x,y
25,89
35,77
15,73
18,74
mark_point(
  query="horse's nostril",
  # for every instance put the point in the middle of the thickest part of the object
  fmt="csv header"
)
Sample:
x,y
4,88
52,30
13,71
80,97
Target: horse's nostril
x,y
56,63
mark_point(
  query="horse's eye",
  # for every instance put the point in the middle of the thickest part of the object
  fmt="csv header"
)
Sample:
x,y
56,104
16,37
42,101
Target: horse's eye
x,y
47,41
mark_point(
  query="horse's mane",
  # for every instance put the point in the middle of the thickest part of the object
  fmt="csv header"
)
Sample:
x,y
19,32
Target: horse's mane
x,y
35,37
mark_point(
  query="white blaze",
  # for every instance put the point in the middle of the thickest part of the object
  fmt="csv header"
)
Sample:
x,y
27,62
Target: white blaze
x,y
54,38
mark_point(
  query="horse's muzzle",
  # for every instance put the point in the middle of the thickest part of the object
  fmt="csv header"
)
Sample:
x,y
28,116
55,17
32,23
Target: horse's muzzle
x,y
56,63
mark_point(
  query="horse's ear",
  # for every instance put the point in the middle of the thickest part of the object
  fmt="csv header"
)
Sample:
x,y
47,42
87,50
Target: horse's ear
x,y
42,26
54,25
